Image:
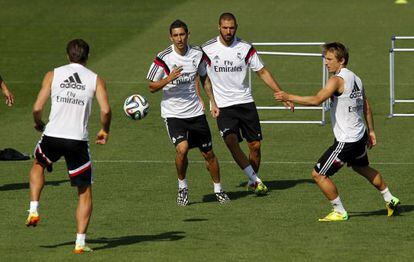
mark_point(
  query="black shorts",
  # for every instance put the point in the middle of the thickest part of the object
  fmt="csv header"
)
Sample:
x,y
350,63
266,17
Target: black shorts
x,y
194,130
76,153
354,154
242,120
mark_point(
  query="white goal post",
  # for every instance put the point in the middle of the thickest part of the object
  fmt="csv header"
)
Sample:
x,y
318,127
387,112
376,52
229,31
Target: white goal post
x,y
325,75
394,50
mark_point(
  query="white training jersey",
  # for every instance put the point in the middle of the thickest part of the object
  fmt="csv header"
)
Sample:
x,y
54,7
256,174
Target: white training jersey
x,y
73,90
180,99
227,67
347,109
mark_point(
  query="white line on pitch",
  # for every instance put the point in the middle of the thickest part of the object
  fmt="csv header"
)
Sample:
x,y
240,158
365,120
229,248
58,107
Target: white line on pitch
x,y
232,162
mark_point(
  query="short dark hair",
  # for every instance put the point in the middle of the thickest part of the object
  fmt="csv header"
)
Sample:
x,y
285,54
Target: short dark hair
x,y
339,49
227,16
178,24
78,51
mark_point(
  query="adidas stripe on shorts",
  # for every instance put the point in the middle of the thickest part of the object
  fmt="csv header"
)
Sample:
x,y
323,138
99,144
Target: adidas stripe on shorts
x,y
76,153
354,154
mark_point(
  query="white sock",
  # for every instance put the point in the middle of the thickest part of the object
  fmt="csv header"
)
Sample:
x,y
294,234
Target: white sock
x,y
217,187
250,173
337,205
80,239
386,194
182,183
34,205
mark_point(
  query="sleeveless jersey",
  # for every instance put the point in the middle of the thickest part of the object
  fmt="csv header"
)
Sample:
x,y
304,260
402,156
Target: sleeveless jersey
x,y
73,89
347,109
227,67
179,99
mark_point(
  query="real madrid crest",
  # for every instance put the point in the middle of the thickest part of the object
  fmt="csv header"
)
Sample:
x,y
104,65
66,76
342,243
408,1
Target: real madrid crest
x,y
239,56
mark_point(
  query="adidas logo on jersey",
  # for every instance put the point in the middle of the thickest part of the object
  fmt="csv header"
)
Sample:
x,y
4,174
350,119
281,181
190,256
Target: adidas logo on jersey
x,y
216,59
356,91
73,82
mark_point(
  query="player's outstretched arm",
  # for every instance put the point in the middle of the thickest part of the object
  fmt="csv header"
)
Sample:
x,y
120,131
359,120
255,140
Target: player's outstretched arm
x,y
333,85
205,80
270,81
154,86
106,114
41,100
6,93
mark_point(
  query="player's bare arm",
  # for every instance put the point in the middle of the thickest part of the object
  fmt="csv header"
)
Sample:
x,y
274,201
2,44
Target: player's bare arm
x,y
106,114
369,119
6,93
335,84
215,111
197,89
154,86
270,81
41,100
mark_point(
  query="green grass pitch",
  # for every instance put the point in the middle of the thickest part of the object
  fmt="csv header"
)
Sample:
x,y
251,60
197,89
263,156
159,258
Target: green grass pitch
x,y
135,217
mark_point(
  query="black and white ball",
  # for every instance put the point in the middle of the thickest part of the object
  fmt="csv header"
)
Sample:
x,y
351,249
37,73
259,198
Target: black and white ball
x,y
136,107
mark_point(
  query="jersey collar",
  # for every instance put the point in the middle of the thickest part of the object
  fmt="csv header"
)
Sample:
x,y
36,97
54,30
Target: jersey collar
x,y
173,49
235,41
77,64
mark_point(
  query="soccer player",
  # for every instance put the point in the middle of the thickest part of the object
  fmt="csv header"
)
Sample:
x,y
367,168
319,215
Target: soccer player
x,y
176,71
6,93
71,88
227,60
353,127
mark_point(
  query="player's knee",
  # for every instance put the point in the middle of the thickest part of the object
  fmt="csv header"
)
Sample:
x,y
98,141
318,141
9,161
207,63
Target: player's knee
x,y
181,151
209,155
254,146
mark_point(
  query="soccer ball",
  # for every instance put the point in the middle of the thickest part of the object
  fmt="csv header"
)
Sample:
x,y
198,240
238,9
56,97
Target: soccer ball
x,y
136,107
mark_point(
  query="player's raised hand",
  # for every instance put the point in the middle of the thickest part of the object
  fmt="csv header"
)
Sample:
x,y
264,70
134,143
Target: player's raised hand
x,y
175,73
102,137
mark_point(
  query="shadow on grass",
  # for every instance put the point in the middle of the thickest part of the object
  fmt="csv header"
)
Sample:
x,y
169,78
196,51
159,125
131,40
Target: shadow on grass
x,y
271,185
19,186
285,184
195,220
382,212
126,240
